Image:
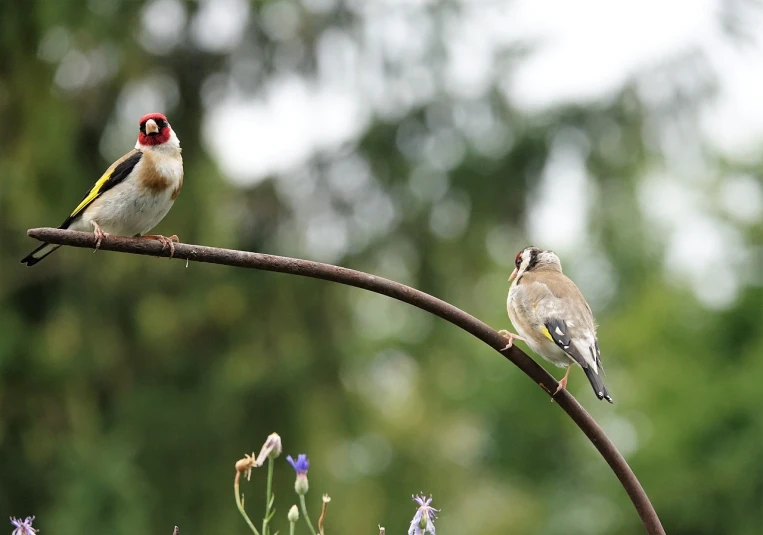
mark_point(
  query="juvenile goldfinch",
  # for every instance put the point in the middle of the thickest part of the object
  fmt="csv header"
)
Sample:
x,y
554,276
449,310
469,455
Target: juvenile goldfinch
x,y
134,194
551,315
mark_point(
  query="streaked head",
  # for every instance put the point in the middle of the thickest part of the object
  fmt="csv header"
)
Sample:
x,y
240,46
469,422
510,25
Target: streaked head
x,y
155,130
532,258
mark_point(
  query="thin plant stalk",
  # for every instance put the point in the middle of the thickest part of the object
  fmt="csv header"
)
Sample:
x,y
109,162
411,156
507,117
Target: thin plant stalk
x,y
304,513
291,527
240,505
268,498
326,501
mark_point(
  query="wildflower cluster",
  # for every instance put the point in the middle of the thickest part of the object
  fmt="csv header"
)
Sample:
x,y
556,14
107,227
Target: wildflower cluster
x,y
422,523
270,451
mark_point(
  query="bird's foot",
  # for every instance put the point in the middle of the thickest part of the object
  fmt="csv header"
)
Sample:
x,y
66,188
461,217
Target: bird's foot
x,y
99,235
510,337
562,383
165,241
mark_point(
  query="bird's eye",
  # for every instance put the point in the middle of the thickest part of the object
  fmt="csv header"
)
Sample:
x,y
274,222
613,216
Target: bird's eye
x,y
518,259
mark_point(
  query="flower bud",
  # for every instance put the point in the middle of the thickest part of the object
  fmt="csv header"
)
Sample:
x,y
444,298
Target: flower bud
x,y
300,485
274,440
271,449
293,515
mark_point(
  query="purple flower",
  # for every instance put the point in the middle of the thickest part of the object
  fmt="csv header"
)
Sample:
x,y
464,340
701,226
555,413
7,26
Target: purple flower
x,y
23,527
300,465
423,520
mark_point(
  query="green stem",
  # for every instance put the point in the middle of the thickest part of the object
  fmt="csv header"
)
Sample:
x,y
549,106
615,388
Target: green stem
x,y
304,513
240,505
291,527
268,499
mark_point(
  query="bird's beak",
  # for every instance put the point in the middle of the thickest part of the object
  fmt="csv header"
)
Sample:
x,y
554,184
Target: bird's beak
x,y
513,274
151,127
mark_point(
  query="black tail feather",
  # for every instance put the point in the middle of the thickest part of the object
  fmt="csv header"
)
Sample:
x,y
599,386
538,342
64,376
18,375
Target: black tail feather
x,y
38,254
598,385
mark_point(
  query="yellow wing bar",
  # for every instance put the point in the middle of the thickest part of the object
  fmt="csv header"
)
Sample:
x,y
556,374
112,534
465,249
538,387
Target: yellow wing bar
x,y
94,192
115,174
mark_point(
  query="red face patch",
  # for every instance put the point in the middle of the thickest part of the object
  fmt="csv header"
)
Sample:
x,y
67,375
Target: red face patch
x,y
157,138
153,116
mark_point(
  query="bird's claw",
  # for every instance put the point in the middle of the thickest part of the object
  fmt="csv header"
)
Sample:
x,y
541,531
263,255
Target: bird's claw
x,y
510,337
99,235
165,241
562,385
168,242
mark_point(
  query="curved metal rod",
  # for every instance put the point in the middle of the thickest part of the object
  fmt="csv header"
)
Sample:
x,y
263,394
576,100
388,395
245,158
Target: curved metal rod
x,y
401,292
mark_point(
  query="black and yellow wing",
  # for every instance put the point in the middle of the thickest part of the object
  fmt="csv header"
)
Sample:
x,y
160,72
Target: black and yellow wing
x,y
115,174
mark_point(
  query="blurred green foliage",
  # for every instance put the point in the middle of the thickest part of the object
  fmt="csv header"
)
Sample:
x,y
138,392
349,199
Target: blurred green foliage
x,y
129,386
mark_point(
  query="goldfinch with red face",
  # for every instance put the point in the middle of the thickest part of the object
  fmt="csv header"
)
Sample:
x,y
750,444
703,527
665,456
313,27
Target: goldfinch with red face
x,y
134,194
551,315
